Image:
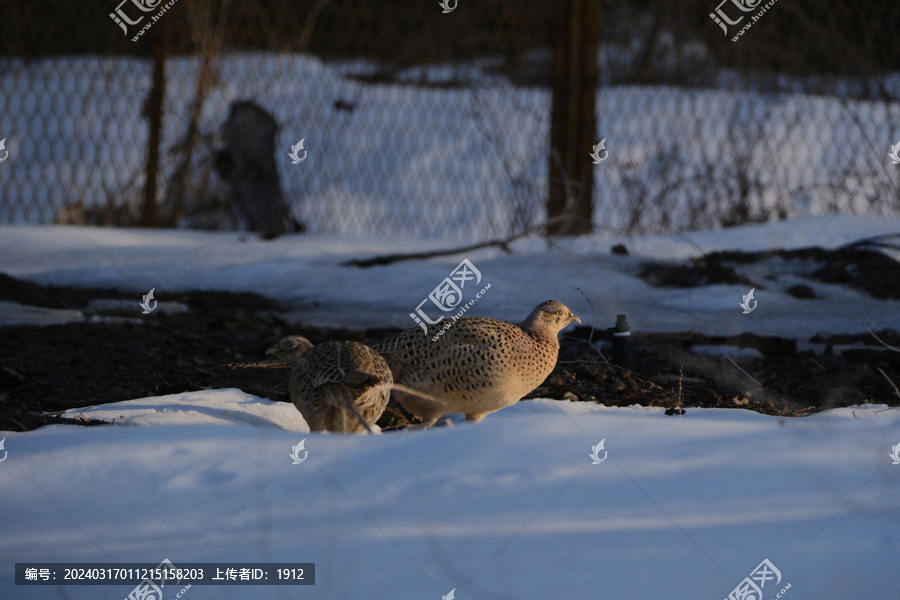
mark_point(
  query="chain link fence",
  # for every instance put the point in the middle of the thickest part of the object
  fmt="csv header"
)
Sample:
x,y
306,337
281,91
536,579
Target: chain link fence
x,y
429,122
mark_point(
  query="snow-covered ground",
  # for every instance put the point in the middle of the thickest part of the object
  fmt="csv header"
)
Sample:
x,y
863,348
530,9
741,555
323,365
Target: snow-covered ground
x,y
513,507
444,163
682,508
306,275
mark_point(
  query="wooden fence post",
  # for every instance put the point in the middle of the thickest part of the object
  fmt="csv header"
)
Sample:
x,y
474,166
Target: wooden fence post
x,y
153,112
572,118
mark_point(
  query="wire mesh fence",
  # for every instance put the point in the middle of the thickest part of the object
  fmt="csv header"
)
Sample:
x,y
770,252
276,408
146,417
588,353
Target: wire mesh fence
x,y
430,122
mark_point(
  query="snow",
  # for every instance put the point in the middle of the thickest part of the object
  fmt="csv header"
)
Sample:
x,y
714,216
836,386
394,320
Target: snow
x,y
305,273
14,313
461,163
683,507
197,408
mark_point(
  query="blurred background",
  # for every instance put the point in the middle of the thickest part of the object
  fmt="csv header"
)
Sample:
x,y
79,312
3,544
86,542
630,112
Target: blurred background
x,y
456,125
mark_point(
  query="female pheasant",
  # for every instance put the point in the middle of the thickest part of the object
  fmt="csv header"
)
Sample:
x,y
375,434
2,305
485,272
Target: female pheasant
x,y
338,386
478,365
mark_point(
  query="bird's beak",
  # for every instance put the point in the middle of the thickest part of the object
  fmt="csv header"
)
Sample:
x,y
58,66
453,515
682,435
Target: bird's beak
x,y
573,319
272,350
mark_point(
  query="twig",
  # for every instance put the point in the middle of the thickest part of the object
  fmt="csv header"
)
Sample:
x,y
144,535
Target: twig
x,y
570,207
741,370
208,33
893,385
593,324
883,343
359,416
310,24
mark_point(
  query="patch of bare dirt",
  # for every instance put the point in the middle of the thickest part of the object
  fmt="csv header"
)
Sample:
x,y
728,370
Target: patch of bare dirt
x,y
47,370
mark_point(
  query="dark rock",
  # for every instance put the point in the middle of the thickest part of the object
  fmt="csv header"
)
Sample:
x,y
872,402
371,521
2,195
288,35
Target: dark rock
x,y
801,291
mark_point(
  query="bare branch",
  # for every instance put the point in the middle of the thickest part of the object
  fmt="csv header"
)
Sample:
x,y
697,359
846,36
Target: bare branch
x,y
883,343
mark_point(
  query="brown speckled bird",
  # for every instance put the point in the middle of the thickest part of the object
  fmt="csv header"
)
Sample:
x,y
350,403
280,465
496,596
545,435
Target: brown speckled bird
x,y
479,365
337,385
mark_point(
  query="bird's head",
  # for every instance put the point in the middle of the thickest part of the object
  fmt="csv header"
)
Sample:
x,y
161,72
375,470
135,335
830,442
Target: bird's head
x,y
551,316
290,347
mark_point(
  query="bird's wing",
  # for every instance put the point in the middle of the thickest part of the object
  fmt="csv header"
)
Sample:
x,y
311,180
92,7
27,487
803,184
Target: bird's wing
x,y
400,350
345,363
416,359
361,379
413,345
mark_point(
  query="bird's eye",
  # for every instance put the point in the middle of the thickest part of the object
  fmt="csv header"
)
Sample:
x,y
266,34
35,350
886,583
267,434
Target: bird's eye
x,y
559,313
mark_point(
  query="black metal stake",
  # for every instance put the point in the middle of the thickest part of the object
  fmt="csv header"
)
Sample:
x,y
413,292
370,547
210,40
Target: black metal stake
x,y
622,349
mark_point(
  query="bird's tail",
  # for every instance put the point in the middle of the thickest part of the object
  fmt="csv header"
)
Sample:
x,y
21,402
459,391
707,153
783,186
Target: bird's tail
x,y
419,394
267,363
400,388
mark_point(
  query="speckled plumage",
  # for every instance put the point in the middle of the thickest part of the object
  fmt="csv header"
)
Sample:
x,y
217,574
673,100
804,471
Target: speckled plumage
x,y
479,365
333,382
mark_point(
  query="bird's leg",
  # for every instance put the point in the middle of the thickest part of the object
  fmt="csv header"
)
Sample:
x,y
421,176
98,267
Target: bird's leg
x,y
423,424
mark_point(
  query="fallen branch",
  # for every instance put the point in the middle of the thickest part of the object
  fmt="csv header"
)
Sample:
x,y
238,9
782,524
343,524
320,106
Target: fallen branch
x,y
503,244
878,241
